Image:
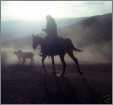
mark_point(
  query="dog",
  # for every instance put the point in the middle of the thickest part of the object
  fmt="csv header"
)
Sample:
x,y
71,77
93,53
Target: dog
x,y
22,56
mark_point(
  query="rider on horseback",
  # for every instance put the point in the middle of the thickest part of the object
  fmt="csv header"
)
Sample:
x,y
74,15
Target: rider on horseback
x,y
51,31
51,28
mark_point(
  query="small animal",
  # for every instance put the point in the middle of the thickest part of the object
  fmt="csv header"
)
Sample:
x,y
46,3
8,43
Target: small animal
x,y
22,56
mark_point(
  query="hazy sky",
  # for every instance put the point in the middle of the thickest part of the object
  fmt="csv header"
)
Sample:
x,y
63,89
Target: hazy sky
x,y
37,10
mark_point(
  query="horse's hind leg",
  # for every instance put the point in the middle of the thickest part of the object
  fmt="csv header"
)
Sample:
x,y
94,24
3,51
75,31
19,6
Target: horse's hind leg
x,y
63,63
75,60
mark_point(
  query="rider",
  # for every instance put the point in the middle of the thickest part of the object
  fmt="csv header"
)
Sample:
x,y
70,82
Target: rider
x,y
51,31
51,28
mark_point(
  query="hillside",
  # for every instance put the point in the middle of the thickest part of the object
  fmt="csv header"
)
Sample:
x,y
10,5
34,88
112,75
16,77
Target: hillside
x,y
93,33
91,29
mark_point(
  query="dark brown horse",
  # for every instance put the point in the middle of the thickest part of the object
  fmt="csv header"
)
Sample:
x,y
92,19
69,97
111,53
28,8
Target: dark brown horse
x,y
59,46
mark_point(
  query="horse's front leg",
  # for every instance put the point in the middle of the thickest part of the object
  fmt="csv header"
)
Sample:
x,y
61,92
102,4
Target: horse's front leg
x,y
53,65
63,63
43,58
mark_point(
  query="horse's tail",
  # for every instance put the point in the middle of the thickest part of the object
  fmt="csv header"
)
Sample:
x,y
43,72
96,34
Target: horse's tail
x,y
74,48
77,49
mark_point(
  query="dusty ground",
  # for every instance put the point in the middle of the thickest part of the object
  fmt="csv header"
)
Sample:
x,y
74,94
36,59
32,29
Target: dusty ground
x,y
21,84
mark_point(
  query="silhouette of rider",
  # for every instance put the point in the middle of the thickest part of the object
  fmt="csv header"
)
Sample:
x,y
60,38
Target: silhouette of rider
x,y
51,28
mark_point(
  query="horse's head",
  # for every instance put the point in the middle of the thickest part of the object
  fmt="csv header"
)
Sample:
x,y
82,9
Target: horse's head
x,y
36,41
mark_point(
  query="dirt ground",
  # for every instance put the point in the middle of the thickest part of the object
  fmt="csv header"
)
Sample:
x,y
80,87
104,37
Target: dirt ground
x,y
31,84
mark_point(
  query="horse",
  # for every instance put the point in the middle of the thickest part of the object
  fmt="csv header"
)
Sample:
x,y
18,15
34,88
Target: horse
x,y
59,46
22,56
